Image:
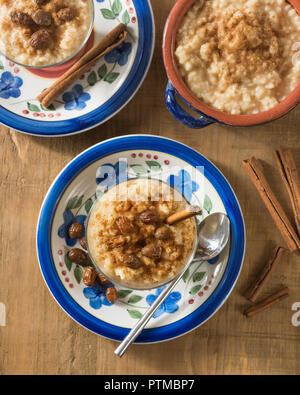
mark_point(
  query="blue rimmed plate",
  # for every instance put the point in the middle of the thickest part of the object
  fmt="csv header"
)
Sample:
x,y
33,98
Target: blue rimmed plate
x,y
204,288
97,95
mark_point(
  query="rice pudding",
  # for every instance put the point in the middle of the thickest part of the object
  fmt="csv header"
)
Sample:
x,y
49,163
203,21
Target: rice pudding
x,y
43,32
129,240
237,55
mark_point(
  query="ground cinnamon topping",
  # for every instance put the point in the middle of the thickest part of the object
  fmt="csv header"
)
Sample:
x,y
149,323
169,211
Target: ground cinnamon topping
x,y
249,43
237,55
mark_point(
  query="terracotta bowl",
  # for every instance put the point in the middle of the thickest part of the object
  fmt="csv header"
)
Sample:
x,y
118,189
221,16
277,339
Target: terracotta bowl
x,y
207,115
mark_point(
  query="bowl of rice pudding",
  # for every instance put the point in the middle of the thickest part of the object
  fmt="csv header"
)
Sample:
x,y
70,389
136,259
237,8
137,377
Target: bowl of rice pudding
x,y
44,33
129,240
235,62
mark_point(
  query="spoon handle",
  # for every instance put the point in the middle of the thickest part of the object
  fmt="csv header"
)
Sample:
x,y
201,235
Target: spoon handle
x,y
137,329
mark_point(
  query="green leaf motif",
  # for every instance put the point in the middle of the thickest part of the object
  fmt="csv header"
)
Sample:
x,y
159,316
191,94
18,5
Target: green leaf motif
x,y
207,204
116,7
74,202
126,18
78,272
33,107
122,293
50,108
102,71
198,276
135,314
139,170
134,299
1,66
186,275
88,205
111,77
92,78
107,14
153,165
68,262
195,289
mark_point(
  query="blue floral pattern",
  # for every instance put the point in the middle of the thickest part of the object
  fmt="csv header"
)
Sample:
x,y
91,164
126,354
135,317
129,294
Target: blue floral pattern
x,y
76,99
184,184
69,219
96,295
168,306
9,85
119,54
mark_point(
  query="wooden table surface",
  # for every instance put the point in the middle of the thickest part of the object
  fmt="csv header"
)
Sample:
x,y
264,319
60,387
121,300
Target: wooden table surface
x,y
39,338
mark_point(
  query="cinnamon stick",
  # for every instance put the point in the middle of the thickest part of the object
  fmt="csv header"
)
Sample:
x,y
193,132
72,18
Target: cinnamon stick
x,y
107,44
184,214
289,174
254,291
254,170
267,302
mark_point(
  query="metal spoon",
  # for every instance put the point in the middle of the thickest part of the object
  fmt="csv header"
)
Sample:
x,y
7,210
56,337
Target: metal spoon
x,y
213,236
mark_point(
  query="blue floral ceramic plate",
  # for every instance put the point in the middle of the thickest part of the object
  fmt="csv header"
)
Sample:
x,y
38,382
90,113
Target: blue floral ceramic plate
x,y
204,288
97,95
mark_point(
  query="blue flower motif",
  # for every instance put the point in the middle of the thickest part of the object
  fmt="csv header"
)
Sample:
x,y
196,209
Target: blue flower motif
x,y
168,306
76,99
99,1
69,219
108,175
96,295
184,184
119,54
9,85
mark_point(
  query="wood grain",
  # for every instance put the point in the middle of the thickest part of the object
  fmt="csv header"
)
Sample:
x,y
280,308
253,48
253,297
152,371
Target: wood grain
x,y
39,338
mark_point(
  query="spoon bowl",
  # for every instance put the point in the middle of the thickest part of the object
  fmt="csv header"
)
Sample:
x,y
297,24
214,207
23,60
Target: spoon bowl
x,y
213,235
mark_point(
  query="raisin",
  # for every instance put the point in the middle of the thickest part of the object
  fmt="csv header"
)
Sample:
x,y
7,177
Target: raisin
x,y
82,242
162,233
132,261
75,230
111,294
89,276
42,18
40,39
21,18
125,225
78,256
152,251
149,217
103,279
